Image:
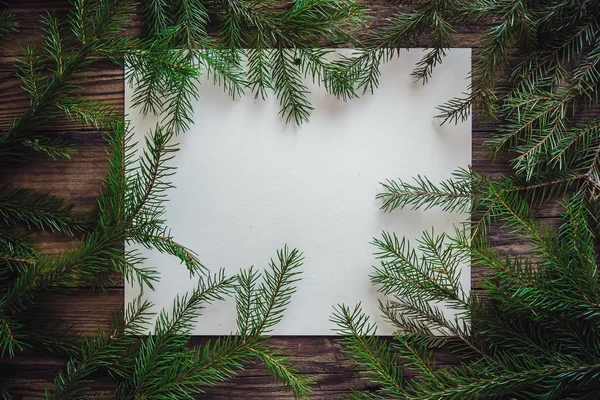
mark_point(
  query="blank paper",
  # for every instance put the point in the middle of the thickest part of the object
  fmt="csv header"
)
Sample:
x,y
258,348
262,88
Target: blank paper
x,y
247,183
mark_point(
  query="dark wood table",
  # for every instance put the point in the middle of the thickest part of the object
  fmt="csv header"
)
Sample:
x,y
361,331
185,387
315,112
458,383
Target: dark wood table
x,y
79,180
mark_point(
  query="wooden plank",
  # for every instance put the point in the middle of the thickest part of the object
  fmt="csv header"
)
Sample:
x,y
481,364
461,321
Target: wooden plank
x,y
318,358
80,180
104,82
28,14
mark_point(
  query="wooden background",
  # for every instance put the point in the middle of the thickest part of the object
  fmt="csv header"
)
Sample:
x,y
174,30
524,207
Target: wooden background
x,y
79,180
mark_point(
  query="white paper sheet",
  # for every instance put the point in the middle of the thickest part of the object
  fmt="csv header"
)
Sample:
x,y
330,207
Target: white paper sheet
x,y
247,184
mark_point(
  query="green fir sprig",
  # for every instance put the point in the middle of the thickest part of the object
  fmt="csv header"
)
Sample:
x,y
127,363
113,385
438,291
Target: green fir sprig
x,y
534,335
147,358
535,73
258,47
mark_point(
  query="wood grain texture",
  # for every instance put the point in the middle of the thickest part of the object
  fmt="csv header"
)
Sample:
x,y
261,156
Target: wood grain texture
x,y
80,181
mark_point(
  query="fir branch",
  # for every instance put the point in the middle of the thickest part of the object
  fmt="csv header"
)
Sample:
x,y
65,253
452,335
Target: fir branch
x,y
400,265
535,339
360,341
191,18
145,194
156,17
10,337
132,269
245,300
74,381
495,47
30,68
335,79
283,372
54,147
99,351
131,205
553,184
223,65
15,252
178,101
456,109
95,114
120,152
7,24
270,32
186,309
405,27
554,77
511,382
259,75
582,138
164,79
108,19
132,202
586,76
307,22
163,241
275,292
184,371
5,394
52,340
516,214
39,211
452,195
287,83
83,263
